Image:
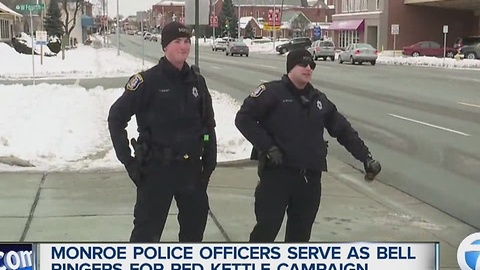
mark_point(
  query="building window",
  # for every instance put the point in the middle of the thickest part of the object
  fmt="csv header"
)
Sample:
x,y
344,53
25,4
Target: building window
x,y
4,29
377,4
344,6
346,38
364,6
357,5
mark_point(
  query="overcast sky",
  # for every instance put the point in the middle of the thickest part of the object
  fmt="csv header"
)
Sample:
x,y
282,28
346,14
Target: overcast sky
x,y
129,7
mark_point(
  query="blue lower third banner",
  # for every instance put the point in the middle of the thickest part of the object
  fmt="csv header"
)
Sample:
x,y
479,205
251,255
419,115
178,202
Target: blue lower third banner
x,y
239,256
17,256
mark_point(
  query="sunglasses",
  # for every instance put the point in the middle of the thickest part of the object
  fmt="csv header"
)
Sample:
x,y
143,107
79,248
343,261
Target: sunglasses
x,y
307,61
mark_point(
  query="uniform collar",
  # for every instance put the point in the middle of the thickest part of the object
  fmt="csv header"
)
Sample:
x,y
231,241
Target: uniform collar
x,y
293,88
173,72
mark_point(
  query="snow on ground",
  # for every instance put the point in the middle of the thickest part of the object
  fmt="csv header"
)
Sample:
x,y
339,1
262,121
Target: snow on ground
x,y
428,62
59,128
82,62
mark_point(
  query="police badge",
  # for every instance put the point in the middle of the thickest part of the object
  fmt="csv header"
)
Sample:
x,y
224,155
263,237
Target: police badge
x,y
259,91
134,82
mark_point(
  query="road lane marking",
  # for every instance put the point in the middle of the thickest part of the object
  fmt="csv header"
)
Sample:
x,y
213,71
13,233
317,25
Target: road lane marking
x,y
267,66
469,104
215,67
429,125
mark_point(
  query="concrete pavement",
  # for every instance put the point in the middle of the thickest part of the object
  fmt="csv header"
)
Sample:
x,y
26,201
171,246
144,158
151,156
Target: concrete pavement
x,y
97,206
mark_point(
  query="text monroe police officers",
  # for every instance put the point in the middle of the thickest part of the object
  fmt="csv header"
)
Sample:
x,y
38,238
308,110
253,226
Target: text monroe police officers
x,y
222,257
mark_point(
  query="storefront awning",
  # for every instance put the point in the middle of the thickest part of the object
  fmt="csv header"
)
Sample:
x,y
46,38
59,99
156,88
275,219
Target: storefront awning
x,y
346,25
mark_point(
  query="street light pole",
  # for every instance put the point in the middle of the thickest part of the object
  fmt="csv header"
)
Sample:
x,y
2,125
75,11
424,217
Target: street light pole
x,y
274,25
118,29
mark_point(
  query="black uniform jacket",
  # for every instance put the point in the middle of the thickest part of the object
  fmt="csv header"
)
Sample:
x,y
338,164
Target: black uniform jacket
x,y
279,114
173,108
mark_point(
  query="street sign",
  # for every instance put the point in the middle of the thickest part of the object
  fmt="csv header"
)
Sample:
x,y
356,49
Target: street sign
x,y
267,27
317,32
213,21
274,19
30,7
203,12
395,29
445,29
41,37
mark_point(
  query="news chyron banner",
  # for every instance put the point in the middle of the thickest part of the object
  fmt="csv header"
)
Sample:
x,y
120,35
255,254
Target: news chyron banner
x,y
236,256
17,256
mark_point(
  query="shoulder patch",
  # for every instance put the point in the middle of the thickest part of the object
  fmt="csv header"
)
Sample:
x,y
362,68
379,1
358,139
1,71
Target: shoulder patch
x,y
134,82
259,91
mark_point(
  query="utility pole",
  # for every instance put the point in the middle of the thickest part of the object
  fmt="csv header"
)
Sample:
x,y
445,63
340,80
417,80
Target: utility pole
x,y
118,29
197,30
239,16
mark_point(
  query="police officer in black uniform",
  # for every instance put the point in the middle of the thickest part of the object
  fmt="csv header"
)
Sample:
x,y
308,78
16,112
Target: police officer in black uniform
x,y
285,122
176,151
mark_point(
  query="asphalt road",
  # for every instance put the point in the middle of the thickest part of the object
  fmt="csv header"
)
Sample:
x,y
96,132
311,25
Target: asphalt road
x,y
421,123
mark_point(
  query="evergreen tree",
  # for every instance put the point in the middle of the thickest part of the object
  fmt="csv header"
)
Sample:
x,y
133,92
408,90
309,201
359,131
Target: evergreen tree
x,y
228,20
52,22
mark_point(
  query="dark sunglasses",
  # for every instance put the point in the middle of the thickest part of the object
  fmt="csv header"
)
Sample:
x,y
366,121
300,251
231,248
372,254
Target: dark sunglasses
x,y
306,60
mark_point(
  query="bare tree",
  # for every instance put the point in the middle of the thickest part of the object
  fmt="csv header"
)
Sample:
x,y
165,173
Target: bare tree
x,y
70,8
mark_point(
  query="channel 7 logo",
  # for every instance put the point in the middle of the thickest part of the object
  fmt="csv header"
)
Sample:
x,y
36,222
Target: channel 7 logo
x,y
16,256
468,253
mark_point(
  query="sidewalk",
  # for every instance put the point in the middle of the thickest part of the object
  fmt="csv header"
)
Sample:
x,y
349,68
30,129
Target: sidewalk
x,y
98,207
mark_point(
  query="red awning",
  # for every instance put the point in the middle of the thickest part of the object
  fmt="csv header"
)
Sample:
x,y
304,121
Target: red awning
x,y
345,25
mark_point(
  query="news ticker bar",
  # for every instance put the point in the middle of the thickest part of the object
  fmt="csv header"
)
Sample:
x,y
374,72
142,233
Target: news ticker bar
x,y
220,256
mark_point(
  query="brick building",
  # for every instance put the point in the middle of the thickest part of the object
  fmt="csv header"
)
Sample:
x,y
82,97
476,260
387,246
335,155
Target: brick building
x,y
371,21
255,13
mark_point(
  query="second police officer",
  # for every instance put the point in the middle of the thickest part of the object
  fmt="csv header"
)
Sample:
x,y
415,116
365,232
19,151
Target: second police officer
x,y
285,121
176,151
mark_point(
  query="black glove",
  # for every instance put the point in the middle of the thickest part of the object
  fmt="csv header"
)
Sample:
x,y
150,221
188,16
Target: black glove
x,y
134,172
275,156
372,169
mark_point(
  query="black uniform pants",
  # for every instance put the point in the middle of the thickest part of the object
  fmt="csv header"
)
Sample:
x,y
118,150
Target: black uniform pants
x,y
284,189
179,180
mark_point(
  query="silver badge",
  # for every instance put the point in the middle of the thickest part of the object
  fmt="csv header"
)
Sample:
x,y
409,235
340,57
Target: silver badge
x,y
319,105
195,91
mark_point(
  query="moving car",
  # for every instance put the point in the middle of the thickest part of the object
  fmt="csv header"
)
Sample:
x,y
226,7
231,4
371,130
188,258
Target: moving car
x,y
294,44
219,44
237,47
358,53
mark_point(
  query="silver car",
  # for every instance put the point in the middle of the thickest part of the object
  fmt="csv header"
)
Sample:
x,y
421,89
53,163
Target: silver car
x,y
358,53
322,49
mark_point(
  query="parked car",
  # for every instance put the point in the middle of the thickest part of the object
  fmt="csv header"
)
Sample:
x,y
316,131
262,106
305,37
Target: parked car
x,y
470,51
428,48
468,47
237,47
322,49
466,41
358,53
294,44
219,44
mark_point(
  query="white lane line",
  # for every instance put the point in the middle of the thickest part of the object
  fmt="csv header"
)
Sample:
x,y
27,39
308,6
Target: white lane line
x,y
469,104
267,66
429,125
